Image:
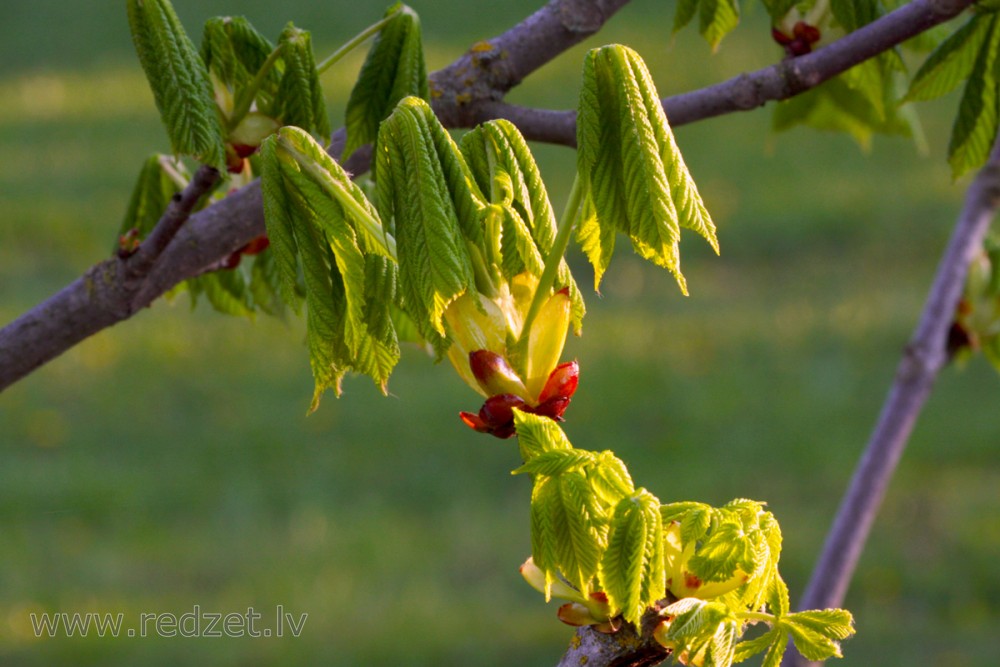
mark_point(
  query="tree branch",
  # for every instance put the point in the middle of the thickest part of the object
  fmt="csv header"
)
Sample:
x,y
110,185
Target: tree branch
x,y
466,92
138,264
751,90
922,361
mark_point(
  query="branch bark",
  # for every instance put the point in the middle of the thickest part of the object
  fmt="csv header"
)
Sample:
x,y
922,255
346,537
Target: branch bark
x,y
468,91
922,361
750,90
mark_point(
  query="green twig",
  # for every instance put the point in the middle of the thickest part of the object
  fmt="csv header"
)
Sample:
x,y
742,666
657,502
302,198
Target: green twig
x,y
247,95
355,41
555,257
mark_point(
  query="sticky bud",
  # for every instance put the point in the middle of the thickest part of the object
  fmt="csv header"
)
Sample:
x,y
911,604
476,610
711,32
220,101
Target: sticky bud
x,y
546,340
499,410
562,382
252,130
494,374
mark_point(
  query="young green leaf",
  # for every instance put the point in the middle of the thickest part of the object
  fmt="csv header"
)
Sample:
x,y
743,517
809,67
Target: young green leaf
x,y
393,70
265,284
630,164
717,18
727,549
235,54
951,63
300,96
556,462
817,634
503,166
976,126
424,189
757,645
317,218
632,570
536,435
179,80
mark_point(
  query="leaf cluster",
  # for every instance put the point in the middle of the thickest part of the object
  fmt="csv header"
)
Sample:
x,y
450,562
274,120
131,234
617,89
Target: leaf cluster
x,y
709,572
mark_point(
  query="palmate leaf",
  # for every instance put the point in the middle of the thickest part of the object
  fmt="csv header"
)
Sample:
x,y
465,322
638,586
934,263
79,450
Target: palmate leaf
x,y
424,188
757,645
632,571
726,549
952,62
499,159
393,69
179,81
975,128
300,96
817,634
319,220
630,165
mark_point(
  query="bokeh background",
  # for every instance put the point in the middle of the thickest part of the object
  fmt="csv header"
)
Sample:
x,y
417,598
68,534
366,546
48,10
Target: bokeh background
x,y
168,462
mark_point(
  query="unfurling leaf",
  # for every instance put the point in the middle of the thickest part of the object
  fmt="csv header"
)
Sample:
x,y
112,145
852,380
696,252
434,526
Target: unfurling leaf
x,y
817,634
393,69
320,222
235,53
179,81
633,172
300,95
504,168
424,189
976,126
632,568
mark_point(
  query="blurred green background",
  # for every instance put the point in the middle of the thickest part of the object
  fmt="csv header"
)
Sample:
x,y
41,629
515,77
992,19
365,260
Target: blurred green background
x,y
168,462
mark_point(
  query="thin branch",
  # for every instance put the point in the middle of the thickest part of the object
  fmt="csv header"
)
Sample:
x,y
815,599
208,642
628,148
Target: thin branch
x,y
922,361
178,211
748,91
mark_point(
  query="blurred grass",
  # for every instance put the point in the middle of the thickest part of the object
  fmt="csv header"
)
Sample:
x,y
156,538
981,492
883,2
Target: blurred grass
x,y
167,462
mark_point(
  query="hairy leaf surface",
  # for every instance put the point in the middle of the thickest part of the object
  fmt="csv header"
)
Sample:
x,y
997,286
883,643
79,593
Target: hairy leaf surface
x,y
179,81
300,95
423,187
631,167
393,69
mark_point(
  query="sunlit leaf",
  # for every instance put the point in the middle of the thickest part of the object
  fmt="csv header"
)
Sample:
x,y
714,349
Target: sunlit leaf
x,y
393,69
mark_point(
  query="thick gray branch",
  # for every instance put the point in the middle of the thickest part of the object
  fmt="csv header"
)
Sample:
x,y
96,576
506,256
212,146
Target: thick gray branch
x,y
923,359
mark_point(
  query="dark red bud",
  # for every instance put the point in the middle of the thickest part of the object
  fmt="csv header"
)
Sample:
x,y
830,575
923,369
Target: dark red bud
x,y
256,246
552,408
498,411
562,382
244,150
807,33
780,37
232,261
798,47
474,422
